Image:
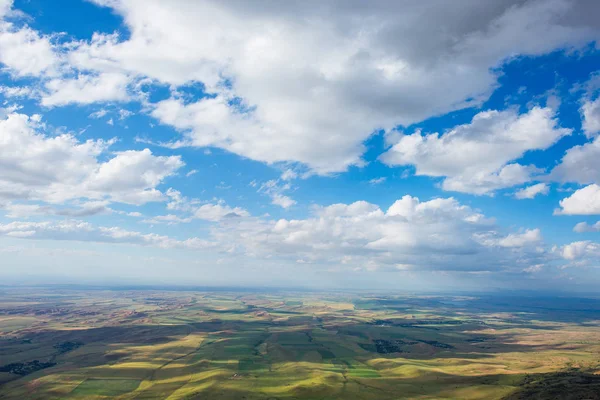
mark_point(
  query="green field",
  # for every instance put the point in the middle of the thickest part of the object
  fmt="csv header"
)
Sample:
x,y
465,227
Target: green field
x,y
142,344
104,387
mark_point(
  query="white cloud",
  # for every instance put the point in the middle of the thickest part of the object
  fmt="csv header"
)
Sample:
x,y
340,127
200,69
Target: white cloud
x,y
530,192
25,52
177,201
282,200
585,227
216,212
289,174
310,84
440,234
580,164
99,114
377,181
530,236
17,91
479,157
528,239
124,114
585,201
200,210
316,81
436,234
212,122
299,83
223,186
83,231
166,219
579,250
132,176
84,210
276,192
191,172
534,268
591,117
59,168
86,89
5,7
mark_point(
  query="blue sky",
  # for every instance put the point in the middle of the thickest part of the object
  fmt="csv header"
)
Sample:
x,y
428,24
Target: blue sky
x,y
395,145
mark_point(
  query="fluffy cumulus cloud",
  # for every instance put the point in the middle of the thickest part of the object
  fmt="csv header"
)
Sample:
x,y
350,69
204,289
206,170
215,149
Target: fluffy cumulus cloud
x,y
59,168
24,52
5,7
531,236
585,227
479,157
530,192
591,117
585,201
581,164
327,74
410,234
580,253
304,86
86,89
440,234
305,82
